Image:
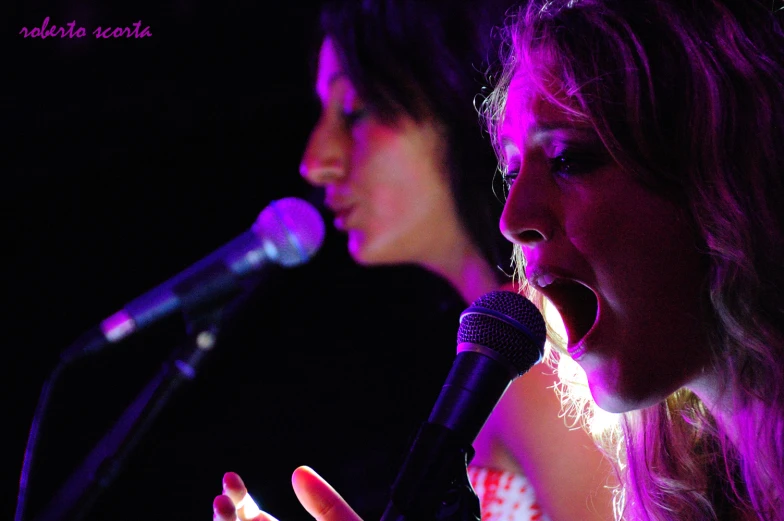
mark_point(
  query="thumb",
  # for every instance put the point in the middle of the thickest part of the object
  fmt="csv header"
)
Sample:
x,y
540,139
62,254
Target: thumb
x,y
319,498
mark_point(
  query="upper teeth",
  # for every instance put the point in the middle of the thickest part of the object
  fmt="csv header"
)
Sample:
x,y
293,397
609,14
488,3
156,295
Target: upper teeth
x,y
544,280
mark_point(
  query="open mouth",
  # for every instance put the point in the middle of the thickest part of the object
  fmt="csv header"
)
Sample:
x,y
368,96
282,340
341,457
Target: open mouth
x,y
578,307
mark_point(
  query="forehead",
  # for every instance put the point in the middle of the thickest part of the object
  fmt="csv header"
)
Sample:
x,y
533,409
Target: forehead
x,y
528,107
329,69
517,108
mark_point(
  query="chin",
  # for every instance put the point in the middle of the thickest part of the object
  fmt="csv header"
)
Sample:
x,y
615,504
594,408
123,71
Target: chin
x,y
357,248
617,404
615,397
359,251
360,258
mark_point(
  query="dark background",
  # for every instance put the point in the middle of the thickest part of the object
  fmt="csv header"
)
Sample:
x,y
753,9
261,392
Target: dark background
x,y
127,160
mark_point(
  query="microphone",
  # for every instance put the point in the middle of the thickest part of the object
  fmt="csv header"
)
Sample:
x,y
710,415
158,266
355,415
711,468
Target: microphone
x,y
288,232
501,336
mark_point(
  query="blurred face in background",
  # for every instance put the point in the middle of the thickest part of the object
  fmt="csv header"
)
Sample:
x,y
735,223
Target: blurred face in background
x,y
387,185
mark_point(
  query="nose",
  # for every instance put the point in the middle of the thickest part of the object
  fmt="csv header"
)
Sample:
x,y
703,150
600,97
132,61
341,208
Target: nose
x,y
530,212
325,157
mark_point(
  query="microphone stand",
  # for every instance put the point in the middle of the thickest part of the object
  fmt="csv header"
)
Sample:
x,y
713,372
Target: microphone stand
x,y
103,464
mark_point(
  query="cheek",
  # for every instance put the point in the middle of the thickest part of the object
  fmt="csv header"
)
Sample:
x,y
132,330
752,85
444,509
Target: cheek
x,y
633,237
595,227
397,175
650,276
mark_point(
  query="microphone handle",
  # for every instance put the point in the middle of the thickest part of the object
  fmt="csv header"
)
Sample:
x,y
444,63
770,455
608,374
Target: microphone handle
x,y
214,278
478,378
433,480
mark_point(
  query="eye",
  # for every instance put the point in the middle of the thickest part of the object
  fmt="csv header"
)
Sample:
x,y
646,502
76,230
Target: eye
x,y
509,173
352,117
572,162
510,164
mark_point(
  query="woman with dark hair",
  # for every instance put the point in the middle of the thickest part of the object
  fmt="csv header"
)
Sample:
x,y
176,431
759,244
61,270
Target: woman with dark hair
x,y
408,171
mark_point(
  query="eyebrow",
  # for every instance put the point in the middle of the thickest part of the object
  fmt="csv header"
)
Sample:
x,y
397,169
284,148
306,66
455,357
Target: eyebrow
x,y
550,127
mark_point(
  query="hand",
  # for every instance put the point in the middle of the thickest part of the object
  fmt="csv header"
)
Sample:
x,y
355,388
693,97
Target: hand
x,y
316,495
235,504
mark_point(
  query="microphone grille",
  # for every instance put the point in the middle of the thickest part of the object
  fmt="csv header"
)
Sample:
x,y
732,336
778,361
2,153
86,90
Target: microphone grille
x,y
509,324
291,230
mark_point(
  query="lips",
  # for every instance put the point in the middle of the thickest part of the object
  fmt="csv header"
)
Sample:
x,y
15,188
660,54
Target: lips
x,y
341,218
342,210
576,303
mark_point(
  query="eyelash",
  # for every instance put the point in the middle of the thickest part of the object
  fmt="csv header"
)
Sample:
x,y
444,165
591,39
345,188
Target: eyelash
x,y
509,175
569,163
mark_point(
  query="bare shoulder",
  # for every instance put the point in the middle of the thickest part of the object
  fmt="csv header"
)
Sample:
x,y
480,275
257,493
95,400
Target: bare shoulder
x,y
568,471
532,394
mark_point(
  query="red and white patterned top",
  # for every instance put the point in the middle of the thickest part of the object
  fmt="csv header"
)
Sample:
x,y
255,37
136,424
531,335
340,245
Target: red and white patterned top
x,y
505,496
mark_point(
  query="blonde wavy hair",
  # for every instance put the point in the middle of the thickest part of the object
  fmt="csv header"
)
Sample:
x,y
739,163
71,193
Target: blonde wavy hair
x,y
688,97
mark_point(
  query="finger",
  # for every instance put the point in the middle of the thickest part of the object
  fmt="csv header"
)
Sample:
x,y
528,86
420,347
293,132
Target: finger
x,y
223,509
246,507
263,516
319,498
234,487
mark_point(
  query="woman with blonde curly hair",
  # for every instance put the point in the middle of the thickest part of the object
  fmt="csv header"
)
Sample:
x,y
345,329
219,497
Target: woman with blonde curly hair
x,y
644,149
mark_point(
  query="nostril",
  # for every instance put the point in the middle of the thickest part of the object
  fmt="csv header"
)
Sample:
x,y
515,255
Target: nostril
x,y
527,223
528,237
321,174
